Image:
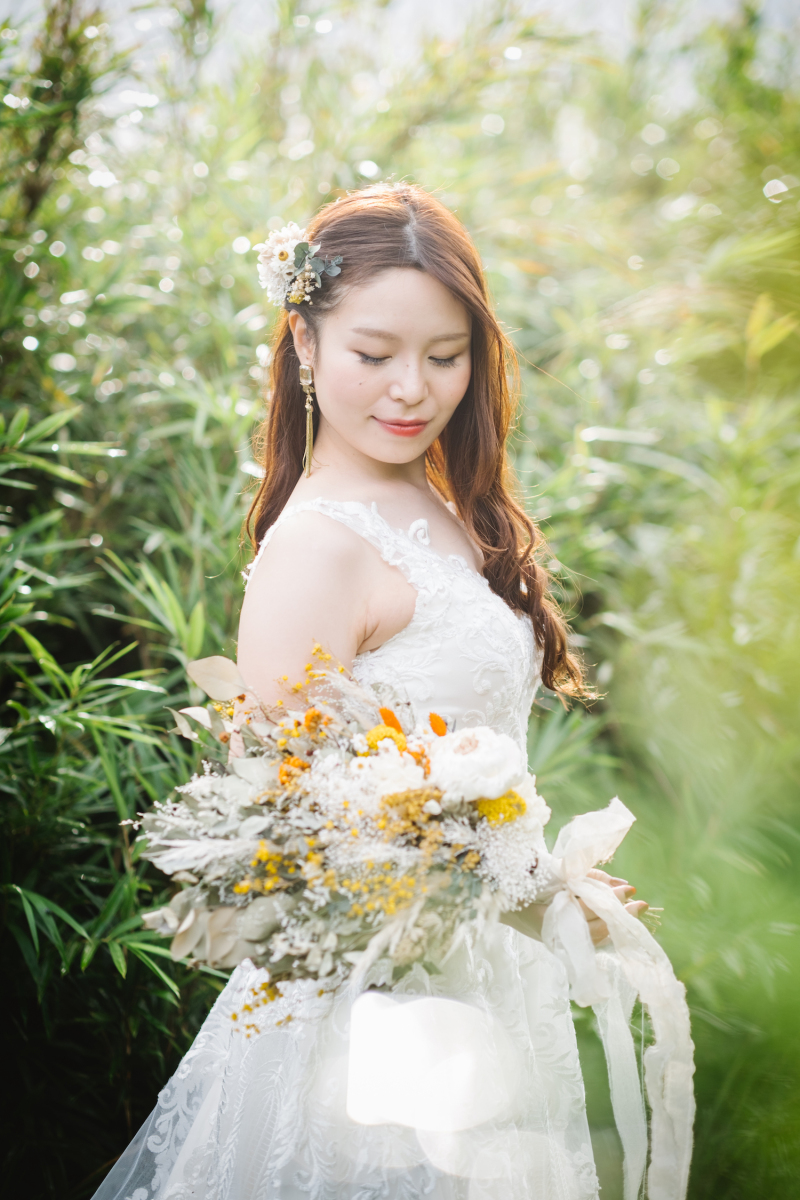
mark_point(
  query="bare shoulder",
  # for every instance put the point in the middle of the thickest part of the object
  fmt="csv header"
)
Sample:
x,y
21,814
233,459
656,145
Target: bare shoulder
x,y
311,584
310,545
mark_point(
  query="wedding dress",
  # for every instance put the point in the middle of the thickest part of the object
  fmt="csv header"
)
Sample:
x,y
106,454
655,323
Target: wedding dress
x,y
496,1111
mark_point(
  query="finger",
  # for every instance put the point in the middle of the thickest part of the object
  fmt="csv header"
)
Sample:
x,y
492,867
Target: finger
x,y
604,877
637,907
598,931
624,892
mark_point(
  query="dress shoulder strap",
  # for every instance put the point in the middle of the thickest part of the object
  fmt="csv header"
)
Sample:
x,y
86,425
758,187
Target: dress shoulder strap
x,y
396,547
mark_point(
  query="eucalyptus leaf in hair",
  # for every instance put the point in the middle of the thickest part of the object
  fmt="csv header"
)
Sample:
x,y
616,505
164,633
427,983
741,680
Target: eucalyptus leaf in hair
x,y
301,251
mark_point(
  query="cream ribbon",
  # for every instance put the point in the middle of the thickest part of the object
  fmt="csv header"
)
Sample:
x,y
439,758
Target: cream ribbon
x,y
610,982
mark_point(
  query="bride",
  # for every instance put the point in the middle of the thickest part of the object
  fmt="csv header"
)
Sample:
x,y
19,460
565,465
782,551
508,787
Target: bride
x,y
400,549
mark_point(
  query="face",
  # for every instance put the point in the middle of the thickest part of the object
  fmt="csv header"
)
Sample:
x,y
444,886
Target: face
x,y
391,364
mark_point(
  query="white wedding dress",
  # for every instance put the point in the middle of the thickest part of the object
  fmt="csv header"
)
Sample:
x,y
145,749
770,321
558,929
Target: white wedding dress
x,y
265,1118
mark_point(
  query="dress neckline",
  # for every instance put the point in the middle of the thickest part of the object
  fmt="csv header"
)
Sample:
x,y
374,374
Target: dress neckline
x,y
418,533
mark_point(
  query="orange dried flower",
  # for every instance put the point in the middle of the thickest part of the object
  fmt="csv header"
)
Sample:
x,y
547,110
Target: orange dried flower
x,y
437,724
290,768
388,718
312,720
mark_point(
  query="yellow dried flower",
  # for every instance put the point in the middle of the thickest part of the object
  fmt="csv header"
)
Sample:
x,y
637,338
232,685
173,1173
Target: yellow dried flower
x,y
379,732
504,808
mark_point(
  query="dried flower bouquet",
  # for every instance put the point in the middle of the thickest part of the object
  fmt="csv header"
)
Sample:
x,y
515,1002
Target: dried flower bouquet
x,y
339,833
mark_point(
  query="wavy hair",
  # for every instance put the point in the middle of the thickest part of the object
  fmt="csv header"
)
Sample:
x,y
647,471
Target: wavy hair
x,y
400,225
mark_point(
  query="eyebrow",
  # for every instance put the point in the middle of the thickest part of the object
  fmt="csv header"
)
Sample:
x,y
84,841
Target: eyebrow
x,y
392,337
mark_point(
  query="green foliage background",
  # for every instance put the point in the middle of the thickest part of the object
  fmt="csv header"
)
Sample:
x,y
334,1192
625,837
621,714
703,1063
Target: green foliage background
x,y
642,240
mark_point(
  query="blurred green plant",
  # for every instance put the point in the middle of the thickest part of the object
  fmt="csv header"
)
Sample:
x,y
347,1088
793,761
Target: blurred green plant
x,y
638,220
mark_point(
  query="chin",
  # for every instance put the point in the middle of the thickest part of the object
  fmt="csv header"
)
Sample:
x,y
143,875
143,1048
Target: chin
x,y
401,452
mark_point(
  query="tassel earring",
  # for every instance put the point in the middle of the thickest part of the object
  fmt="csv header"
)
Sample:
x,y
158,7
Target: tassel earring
x,y
307,384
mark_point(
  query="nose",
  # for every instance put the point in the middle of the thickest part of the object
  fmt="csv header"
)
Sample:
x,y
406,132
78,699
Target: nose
x,y
409,385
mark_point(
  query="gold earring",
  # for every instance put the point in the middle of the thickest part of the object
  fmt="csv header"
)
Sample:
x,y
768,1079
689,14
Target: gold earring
x,y
307,384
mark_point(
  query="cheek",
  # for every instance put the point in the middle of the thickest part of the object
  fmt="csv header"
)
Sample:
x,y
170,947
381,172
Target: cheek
x,y
453,385
344,387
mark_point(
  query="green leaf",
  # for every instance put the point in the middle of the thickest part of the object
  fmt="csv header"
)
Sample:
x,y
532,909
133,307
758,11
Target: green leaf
x,y
26,906
50,424
88,953
196,631
118,956
125,727
35,646
21,484
45,906
96,449
108,760
149,947
17,427
13,460
154,967
135,685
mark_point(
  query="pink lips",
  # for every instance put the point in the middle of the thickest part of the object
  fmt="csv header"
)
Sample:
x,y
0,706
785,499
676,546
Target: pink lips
x,y
402,428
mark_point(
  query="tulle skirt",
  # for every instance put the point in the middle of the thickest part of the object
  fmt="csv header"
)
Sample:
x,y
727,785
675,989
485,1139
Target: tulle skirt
x,y
462,1085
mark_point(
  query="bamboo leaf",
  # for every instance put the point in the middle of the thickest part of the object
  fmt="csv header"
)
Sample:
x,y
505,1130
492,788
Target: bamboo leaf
x,y
26,907
13,460
17,427
145,957
45,906
195,630
88,953
49,425
118,958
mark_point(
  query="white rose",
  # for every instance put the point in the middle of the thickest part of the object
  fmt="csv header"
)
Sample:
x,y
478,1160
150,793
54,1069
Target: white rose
x,y
535,806
475,764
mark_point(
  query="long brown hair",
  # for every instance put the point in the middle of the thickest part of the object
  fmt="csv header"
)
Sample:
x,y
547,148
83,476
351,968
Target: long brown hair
x,y
400,225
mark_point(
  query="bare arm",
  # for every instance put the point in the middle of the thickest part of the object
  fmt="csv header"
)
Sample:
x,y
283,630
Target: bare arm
x,y
303,590
317,581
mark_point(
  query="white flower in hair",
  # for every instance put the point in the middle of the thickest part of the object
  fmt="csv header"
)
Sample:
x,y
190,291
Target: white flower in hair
x,y
276,261
288,266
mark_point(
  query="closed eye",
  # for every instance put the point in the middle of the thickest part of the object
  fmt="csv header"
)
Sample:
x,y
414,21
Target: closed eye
x,y
370,360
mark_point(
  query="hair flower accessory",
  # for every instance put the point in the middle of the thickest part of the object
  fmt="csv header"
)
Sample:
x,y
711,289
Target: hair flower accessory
x,y
289,268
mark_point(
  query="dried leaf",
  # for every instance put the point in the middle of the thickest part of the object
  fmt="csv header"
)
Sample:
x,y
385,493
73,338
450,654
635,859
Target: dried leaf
x,y
217,676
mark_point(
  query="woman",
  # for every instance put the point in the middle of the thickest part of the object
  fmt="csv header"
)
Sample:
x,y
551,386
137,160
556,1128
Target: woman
x,y
402,552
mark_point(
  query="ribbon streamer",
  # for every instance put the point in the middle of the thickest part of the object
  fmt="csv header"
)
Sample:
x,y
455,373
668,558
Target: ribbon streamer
x,y
613,1020
594,980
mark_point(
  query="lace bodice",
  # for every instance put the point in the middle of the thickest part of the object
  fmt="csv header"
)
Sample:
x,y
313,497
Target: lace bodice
x,y
465,654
